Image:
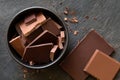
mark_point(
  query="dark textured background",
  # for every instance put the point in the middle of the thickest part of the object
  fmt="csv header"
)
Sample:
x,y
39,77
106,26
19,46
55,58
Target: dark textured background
x,y
107,24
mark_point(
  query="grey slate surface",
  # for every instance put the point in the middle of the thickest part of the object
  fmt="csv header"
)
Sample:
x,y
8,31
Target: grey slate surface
x,y
107,24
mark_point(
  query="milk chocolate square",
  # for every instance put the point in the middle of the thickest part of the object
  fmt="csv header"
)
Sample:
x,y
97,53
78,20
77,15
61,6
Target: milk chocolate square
x,y
18,45
27,29
38,53
102,66
75,62
52,26
45,37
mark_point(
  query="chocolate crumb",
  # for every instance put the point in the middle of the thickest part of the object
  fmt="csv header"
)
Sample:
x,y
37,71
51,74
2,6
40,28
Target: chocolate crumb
x,y
87,17
31,63
25,71
66,11
73,20
24,76
65,19
76,32
94,18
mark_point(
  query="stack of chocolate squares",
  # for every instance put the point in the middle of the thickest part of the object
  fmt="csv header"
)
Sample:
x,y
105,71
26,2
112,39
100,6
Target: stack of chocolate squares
x,y
91,56
39,39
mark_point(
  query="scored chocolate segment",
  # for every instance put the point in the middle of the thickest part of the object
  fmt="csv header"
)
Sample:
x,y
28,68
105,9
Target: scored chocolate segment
x,y
44,37
75,62
52,26
26,30
102,66
30,19
18,45
38,53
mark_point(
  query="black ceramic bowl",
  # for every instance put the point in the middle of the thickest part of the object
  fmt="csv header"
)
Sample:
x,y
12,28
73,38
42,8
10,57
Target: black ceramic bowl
x,y
12,31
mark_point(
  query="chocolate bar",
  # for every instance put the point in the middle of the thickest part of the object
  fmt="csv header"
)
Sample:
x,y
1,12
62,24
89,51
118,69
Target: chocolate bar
x,y
102,66
75,62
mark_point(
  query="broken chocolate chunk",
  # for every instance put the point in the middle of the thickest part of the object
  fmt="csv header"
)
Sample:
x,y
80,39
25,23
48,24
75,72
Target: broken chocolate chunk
x,y
18,45
44,37
53,52
38,53
52,26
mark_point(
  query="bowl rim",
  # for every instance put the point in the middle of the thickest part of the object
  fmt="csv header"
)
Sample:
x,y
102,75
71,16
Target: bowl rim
x,y
65,45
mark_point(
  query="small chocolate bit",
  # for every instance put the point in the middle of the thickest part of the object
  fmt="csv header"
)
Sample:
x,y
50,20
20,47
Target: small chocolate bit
x,y
53,52
31,63
73,20
102,66
26,30
30,19
62,35
45,37
52,26
60,45
75,62
87,17
38,54
76,32
66,12
17,45
65,19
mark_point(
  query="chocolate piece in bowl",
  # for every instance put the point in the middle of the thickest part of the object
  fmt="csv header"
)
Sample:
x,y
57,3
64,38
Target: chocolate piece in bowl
x,y
62,35
18,45
27,29
33,35
38,53
102,66
75,62
52,26
45,37
30,19
53,52
60,45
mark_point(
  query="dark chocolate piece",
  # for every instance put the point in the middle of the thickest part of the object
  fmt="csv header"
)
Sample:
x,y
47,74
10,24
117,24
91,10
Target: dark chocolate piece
x,y
38,53
33,35
44,37
75,62
52,26
18,45
102,66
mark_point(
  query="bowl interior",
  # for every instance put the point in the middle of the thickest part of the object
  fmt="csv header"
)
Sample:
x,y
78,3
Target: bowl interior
x,y
12,31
